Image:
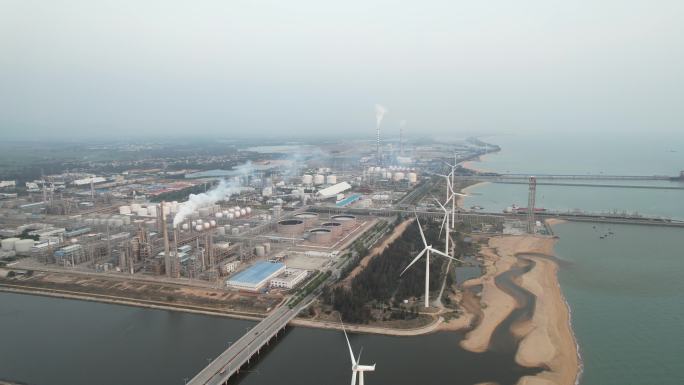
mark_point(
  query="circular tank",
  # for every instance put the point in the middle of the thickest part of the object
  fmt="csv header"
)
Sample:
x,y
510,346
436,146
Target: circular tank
x,y
320,235
212,223
243,212
308,218
198,227
331,179
319,179
24,245
398,176
346,220
307,179
335,227
260,251
185,226
249,210
206,225
412,177
219,215
8,243
291,227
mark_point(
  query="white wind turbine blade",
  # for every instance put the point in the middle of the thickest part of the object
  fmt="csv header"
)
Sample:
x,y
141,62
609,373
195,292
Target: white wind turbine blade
x,y
358,360
410,264
444,254
353,382
446,213
457,193
351,353
421,230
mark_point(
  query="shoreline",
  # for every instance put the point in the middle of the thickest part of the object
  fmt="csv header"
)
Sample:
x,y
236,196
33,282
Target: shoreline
x,y
547,339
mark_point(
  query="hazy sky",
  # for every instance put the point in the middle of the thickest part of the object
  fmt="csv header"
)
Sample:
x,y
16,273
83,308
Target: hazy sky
x,y
232,67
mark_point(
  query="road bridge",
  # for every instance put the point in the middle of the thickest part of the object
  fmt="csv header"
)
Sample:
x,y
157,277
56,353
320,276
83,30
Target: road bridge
x,y
243,350
568,177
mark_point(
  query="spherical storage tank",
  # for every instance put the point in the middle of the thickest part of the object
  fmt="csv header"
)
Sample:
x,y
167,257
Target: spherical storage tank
x,y
319,179
198,227
331,179
307,179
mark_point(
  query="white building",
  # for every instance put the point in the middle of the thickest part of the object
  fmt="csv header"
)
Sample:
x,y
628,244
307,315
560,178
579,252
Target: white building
x,y
289,278
231,267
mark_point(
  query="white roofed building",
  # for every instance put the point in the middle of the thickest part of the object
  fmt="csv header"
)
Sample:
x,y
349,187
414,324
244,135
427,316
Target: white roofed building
x,y
332,191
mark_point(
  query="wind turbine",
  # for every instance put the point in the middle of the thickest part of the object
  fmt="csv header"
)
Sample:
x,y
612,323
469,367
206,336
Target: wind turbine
x,y
356,367
426,250
451,195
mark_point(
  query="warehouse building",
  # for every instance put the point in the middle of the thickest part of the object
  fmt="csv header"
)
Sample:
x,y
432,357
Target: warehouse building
x,y
289,279
256,276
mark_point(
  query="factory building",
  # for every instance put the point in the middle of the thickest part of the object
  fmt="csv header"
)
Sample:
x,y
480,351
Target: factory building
x,y
70,255
256,276
289,279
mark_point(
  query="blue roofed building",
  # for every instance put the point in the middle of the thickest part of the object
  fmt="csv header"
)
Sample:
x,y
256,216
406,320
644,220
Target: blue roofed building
x,y
256,276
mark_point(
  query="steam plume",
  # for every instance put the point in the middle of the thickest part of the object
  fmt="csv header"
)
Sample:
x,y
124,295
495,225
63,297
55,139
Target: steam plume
x,y
222,191
379,114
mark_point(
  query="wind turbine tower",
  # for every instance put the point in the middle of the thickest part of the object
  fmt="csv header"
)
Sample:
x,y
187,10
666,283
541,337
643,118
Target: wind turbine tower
x,y
357,368
426,251
530,205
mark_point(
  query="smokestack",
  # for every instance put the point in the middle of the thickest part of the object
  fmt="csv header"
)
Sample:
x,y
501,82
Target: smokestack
x,y
165,231
379,114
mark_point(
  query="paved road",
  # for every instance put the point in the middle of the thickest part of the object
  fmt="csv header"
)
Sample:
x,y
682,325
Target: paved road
x,y
240,352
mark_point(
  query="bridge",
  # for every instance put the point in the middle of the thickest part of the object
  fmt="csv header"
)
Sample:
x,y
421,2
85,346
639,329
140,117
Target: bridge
x,y
243,350
494,176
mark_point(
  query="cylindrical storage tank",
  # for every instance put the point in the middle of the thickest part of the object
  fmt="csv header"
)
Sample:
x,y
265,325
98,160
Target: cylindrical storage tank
x,y
412,177
185,226
267,246
346,220
206,225
260,251
398,176
212,223
319,179
320,235
388,175
291,227
193,223
249,210
23,246
219,215
331,179
308,218
307,179
124,210
8,244
334,227
221,230
225,213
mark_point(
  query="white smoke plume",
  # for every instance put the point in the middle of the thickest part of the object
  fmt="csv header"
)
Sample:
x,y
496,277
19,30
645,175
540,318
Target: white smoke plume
x,y
222,191
379,114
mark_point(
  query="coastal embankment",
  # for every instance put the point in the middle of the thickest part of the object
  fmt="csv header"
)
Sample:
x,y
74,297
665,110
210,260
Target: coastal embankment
x,y
545,339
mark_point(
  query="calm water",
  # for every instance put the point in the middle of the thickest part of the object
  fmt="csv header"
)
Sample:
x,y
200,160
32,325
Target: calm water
x,y
567,154
626,295
50,341
625,291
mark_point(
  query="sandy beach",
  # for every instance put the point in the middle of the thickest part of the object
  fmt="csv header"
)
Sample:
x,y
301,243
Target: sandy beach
x,y
547,338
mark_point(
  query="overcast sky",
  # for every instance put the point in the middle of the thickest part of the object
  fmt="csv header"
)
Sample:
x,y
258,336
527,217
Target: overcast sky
x,y
231,67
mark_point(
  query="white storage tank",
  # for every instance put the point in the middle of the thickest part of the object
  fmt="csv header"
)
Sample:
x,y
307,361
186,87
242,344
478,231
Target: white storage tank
x,y
142,212
152,210
231,216
249,210
398,176
124,210
135,207
207,225
219,215
243,212
307,179
8,244
212,223
319,179
185,226
412,177
24,245
260,251
237,214
331,179
267,191
198,227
